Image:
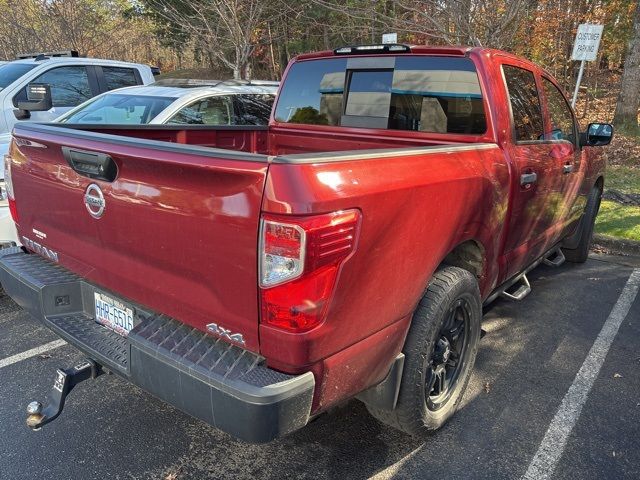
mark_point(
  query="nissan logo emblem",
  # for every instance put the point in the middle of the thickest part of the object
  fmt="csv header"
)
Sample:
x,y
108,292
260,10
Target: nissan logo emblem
x,y
94,201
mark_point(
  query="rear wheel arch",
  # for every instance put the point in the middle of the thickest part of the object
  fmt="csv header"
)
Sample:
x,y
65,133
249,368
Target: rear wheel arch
x,y
468,255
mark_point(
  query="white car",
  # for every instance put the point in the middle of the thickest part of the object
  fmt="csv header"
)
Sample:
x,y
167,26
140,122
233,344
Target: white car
x,y
181,103
69,81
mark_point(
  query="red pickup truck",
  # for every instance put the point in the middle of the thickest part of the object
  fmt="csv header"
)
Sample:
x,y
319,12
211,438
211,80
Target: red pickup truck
x,y
256,276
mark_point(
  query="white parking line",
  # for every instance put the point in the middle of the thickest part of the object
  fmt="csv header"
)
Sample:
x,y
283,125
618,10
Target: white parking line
x,y
31,353
550,450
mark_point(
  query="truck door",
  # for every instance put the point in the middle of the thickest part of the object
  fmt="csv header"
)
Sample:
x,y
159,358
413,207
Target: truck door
x,y
536,190
561,129
70,86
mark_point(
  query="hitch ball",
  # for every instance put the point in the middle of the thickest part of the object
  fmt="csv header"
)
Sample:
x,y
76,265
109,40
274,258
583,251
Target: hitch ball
x,y
34,408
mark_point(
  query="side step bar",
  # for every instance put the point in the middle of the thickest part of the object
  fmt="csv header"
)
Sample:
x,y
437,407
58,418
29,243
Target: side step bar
x,y
524,289
555,258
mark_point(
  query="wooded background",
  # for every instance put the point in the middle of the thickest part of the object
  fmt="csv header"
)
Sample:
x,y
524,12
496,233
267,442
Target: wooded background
x,y
256,38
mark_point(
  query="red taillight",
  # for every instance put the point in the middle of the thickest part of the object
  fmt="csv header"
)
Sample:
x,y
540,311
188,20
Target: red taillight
x,y
13,210
300,258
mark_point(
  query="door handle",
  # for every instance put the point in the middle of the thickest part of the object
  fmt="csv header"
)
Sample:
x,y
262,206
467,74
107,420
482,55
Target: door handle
x,y
568,168
528,178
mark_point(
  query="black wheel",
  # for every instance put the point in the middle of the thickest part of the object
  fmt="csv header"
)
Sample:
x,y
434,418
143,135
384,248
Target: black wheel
x,y
440,351
578,251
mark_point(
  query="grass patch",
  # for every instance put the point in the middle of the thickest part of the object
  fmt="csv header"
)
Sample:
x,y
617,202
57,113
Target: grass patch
x,y
615,220
623,179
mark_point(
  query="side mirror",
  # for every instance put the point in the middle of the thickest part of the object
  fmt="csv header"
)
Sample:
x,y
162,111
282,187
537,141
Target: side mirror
x,y
38,98
597,135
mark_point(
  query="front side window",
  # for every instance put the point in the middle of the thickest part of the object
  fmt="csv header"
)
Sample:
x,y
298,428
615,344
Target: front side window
x,y
561,126
119,109
69,85
209,111
118,77
525,104
420,93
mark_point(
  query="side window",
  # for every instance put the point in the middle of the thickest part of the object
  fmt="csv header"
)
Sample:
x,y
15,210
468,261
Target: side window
x,y
254,109
69,85
562,126
525,103
117,77
209,111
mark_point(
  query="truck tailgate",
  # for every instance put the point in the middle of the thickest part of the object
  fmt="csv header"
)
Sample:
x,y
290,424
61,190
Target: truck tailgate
x,y
179,229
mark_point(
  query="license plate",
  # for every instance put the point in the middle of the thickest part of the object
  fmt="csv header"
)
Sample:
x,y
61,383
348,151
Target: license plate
x,y
113,314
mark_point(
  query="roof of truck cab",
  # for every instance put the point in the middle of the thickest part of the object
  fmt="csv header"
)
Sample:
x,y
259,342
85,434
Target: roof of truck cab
x,y
419,49
76,61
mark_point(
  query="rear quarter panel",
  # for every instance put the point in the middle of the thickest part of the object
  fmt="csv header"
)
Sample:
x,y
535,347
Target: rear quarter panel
x,y
415,209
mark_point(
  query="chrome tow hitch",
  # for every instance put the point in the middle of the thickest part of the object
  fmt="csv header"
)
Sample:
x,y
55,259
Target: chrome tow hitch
x,y
65,380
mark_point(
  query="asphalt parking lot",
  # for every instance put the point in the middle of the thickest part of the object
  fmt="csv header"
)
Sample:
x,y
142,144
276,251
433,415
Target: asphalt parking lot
x,y
529,405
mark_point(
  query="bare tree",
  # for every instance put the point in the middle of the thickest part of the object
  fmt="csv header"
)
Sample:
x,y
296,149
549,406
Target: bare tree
x,y
626,113
227,30
471,22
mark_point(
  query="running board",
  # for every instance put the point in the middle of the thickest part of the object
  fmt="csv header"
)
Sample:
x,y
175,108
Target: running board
x,y
524,289
555,258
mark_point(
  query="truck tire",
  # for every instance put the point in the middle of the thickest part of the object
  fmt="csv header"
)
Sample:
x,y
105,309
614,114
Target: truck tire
x,y
440,351
584,233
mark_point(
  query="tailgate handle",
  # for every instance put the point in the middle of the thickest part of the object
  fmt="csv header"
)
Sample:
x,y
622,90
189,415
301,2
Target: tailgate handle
x,y
91,164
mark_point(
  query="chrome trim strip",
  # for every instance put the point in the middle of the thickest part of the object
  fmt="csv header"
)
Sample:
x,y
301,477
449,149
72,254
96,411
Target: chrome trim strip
x,y
343,156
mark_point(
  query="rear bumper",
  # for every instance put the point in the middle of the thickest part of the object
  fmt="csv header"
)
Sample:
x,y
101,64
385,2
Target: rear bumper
x,y
222,384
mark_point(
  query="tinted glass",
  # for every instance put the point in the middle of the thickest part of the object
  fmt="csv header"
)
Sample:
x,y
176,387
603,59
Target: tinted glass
x,y
525,103
120,109
116,77
253,109
10,72
69,85
428,94
561,127
369,93
209,111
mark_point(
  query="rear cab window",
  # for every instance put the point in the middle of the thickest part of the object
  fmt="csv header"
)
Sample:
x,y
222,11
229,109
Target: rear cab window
x,y
418,93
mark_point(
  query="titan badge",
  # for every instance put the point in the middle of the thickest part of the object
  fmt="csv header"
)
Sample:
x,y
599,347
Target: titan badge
x,y
41,249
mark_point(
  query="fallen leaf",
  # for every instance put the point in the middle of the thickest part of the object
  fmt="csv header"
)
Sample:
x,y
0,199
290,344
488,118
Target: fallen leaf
x,y
44,356
487,387
617,375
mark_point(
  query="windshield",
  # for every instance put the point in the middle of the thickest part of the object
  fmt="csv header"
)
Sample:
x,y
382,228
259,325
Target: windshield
x,y
119,110
10,72
420,93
